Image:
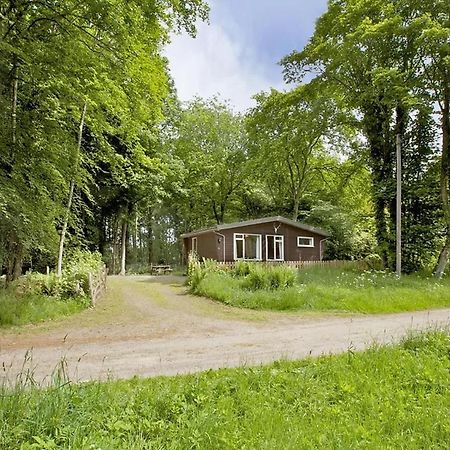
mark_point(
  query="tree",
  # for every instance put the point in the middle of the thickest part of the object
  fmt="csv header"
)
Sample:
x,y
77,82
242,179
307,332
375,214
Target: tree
x,y
211,145
370,53
55,56
289,135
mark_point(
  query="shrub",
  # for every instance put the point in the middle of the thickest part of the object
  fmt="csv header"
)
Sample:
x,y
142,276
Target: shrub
x,y
74,282
241,268
374,261
198,270
269,277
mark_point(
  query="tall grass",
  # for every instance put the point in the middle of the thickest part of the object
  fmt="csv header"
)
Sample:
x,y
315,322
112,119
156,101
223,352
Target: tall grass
x,y
32,308
328,289
388,397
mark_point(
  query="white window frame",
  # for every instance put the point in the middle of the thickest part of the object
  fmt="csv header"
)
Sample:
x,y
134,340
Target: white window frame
x,y
194,248
274,252
305,237
258,248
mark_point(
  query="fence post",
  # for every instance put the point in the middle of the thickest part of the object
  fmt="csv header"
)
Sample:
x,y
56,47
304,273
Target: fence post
x,y
91,288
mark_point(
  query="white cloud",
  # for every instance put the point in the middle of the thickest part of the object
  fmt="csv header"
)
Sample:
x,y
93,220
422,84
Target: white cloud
x,y
215,63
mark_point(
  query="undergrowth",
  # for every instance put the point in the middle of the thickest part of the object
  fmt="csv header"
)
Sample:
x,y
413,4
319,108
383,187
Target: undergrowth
x,y
36,297
321,289
386,397
33,308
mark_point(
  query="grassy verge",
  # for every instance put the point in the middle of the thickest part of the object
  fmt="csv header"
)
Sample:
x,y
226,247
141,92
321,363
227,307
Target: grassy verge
x,y
389,397
331,290
33,308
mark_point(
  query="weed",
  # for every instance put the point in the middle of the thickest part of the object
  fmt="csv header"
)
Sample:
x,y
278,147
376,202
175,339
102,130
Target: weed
x,y
325,289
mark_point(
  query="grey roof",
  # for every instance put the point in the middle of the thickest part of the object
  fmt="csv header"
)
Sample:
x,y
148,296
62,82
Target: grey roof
x,y
226,226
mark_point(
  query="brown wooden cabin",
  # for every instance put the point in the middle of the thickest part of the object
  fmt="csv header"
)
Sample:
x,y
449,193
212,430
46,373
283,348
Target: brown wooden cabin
x,y
269,239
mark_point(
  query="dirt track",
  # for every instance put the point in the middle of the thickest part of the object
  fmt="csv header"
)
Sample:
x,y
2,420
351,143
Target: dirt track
x,y
149,326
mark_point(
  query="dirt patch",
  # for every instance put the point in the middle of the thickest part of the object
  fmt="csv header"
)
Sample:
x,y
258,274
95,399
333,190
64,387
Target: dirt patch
x,y
149,326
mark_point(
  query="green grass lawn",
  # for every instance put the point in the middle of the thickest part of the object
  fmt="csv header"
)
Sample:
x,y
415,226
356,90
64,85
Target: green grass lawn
x,y
388,397
33,308
321,289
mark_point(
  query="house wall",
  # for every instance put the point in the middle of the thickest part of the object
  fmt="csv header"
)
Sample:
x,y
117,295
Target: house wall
x,y
207,246
210,245
291,251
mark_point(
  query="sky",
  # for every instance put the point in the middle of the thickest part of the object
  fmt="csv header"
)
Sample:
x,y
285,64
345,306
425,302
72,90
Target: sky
x,y
237,54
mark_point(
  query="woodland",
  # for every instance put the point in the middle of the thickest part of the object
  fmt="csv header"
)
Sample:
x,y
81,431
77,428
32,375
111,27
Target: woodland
x,y
98,153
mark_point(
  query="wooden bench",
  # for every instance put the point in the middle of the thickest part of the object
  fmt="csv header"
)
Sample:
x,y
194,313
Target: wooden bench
x,y
160,269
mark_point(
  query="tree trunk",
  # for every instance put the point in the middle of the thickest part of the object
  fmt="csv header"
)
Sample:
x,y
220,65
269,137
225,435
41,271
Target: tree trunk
x,y
150,237
114,244
71,190
14,260
14,93
124,247
296,209
445,168
376,124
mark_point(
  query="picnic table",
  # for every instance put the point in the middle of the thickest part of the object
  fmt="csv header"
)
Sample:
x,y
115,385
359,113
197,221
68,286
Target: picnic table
x,y
160,269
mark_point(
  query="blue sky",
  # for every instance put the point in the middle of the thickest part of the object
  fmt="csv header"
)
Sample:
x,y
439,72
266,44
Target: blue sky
x,y
237,54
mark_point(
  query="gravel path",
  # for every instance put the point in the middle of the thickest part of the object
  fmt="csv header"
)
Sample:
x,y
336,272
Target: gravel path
x,y
149,326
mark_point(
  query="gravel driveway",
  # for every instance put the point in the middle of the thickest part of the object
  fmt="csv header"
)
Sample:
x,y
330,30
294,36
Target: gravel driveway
x,y
149,326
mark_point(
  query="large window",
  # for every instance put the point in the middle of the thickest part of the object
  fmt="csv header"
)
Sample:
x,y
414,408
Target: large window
x,y
274,248
305,241
247,246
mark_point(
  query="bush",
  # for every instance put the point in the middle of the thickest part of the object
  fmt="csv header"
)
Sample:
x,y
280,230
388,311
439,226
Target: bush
x,y
74,282
241,269
269,277
374,261
197,270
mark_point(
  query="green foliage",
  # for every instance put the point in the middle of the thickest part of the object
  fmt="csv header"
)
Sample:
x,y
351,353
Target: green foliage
x,y
374,261
329,289
78,264
36,297
350,237
289,130
56,57
271,277
241,268
50,285
197,271
210,146
386,60
33,307
326,402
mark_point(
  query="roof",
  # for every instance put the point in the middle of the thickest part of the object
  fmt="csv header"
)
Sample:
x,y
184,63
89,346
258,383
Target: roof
x,y
245,223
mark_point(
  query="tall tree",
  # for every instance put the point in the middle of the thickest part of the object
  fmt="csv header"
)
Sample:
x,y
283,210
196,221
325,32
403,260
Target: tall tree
x,y
54,55
369,51
211,144
288,133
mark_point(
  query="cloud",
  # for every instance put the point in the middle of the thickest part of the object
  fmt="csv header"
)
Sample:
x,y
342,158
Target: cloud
x,y
236,56
217,63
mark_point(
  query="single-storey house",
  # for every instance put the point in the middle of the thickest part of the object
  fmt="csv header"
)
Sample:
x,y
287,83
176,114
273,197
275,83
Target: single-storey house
x,y
267,239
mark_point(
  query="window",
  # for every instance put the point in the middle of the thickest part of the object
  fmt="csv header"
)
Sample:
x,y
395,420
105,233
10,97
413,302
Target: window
x,y
305,241
194,244
274,248
247,246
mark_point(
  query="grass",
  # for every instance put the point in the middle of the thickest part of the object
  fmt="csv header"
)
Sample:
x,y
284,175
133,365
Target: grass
x,y
388,397
320,289
33,308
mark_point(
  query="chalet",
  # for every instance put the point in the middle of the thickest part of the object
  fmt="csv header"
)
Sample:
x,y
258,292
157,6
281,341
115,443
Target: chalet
x,y
267,239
